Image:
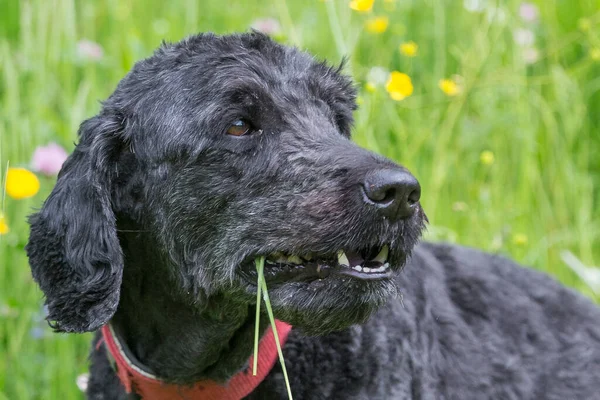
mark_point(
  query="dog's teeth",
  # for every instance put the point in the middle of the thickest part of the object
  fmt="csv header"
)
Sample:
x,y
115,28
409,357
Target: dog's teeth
x,y
343,259
386,266
276,257
383,254
357,268
294,260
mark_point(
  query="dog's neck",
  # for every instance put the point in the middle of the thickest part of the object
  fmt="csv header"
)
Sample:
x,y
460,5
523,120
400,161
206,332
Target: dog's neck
x,y
177,341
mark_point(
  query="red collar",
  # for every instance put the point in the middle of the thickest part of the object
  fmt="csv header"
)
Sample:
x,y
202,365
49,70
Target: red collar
x,y
150,387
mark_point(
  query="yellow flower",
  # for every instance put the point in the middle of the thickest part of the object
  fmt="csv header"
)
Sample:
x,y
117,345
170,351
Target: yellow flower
x,y
362,5
450,87
3,225
377,24
399,85
21,183
486,157
409,49
595,54
520,239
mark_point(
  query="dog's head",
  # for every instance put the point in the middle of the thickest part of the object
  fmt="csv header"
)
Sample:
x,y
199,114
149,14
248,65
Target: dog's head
x,y
224,149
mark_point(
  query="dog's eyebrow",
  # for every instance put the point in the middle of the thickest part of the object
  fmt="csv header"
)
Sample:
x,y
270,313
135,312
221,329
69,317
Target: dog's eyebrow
x,y
251,85
248,94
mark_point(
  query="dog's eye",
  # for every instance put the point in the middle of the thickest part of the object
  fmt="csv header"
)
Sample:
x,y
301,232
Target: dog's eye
x,y
239,128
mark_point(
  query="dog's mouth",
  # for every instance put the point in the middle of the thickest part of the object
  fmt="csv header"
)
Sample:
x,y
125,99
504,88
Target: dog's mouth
x,y
280,267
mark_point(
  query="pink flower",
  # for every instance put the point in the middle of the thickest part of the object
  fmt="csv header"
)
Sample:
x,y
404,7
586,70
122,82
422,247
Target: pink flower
x,y
88,50
529,12
270,26
48,159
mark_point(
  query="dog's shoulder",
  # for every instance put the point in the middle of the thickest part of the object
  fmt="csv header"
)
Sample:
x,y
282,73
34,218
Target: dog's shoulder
x,y
495,279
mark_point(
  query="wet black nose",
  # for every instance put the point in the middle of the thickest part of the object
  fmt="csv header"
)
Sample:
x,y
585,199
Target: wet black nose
x,y
394,192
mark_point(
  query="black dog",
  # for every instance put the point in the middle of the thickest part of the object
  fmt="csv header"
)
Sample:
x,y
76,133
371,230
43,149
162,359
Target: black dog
x,y
219,149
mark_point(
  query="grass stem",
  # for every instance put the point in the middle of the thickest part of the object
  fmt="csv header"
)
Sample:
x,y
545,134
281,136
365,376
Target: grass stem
x,y
262,287
274,328
260,264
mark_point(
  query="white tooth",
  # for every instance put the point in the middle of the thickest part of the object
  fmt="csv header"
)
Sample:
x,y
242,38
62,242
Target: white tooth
x,y
386,266
278,258
383,254
294,260
365,269
357,268
343,259
380,269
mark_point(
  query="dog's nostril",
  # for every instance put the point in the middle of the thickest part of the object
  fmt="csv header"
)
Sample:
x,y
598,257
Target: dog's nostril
x,y
381,195
393,191
414,196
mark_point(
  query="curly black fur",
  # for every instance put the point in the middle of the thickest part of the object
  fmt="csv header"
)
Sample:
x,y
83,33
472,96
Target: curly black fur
x,y
157,215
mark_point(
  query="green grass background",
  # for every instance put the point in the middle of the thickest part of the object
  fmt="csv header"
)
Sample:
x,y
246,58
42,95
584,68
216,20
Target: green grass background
x,y
541,121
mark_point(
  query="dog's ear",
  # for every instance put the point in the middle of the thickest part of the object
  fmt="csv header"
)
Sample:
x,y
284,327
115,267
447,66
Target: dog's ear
x,y
73,247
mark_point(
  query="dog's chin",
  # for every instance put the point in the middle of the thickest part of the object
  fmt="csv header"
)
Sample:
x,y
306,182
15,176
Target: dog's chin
x,y
319,294
331,304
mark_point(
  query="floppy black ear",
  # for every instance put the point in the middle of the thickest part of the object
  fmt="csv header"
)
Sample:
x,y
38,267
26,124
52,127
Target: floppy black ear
x,y
73,247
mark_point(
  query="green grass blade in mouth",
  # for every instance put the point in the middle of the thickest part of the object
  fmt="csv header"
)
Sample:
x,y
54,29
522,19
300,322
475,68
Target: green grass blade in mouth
x,y
260,265
274,328
262,287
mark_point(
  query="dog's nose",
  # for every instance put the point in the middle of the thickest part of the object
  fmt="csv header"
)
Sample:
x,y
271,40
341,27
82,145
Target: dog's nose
x,y
394,192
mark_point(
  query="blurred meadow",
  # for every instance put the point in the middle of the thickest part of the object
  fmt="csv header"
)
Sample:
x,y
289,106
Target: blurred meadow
x,y
493,105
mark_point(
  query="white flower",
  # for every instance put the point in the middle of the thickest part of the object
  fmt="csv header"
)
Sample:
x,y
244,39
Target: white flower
x,y
524,37
474,5
82,382
377,76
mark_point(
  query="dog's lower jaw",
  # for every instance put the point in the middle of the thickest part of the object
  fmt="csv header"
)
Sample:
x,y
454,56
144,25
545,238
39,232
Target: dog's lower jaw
x,y
338,305
334,302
